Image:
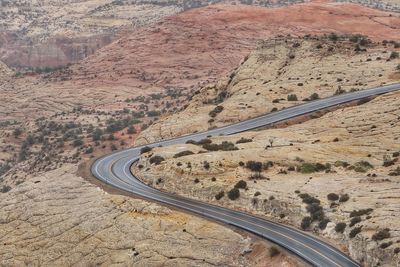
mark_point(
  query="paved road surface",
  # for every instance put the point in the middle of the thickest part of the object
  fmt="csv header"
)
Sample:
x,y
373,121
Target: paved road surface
x,y
114,169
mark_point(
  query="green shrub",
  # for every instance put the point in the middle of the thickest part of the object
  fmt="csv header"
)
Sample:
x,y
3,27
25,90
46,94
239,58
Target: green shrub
x,y
254,166
17,132
395,172
77,142
5,188
241,184
145,149
333,37
89,150
382,234
292,97
308,199
220,195
362,166
305,223
234,194
313,167
344,198
154,113
314,96
5,167
354,221
218,109
355,231
361,212
341,163
273,251
156,160
183,153
224,146
386,244
394,55
96,134
244,140
317,214
339,228
333,197
388,161
323,223
206,165
339,91
131,130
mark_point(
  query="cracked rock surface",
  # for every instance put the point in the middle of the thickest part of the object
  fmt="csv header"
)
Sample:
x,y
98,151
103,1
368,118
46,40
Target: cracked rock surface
x,y
59,219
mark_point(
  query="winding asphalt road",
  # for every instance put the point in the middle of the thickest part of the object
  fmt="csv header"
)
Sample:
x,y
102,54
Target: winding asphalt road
x,y
114,169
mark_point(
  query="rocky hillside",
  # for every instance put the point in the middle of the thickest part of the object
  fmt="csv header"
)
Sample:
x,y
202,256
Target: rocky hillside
x,y
54,33
282,72
51,120
217,44
340,170
336,176
150,60
48,34
56,218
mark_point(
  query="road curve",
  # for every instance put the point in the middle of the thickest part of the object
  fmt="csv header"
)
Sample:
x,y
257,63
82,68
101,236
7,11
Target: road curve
x,y
114,169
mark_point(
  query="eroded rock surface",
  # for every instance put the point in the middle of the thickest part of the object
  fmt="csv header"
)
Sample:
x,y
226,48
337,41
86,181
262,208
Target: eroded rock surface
x,y
57,218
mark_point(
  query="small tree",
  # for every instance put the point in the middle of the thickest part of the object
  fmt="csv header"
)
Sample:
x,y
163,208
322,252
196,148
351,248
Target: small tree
x,y
234,194
333,197
145,149
156,160
339,228
355,231
314,96
273,251
220,195
131,130
96,135
382,234
77,142
333,37
241,184
306,222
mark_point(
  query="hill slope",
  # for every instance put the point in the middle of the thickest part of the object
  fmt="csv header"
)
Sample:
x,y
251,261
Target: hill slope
x,y
335,174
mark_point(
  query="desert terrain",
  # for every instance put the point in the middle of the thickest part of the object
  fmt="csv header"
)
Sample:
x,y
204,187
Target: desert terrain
x,y
153,70
335,174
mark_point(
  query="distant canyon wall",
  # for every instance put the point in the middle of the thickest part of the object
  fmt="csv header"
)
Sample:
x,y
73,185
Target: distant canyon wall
x,y
53,52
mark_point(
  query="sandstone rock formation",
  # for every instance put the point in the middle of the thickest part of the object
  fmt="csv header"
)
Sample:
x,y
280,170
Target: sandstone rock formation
x,y
55,33
342,168
367,133
57,218
278,69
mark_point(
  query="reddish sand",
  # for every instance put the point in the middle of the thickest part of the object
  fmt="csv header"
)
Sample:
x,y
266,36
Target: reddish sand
x,y
197,46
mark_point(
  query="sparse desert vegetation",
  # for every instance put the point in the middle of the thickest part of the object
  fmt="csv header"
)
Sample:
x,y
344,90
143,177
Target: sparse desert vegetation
x,y
131,78
336,182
